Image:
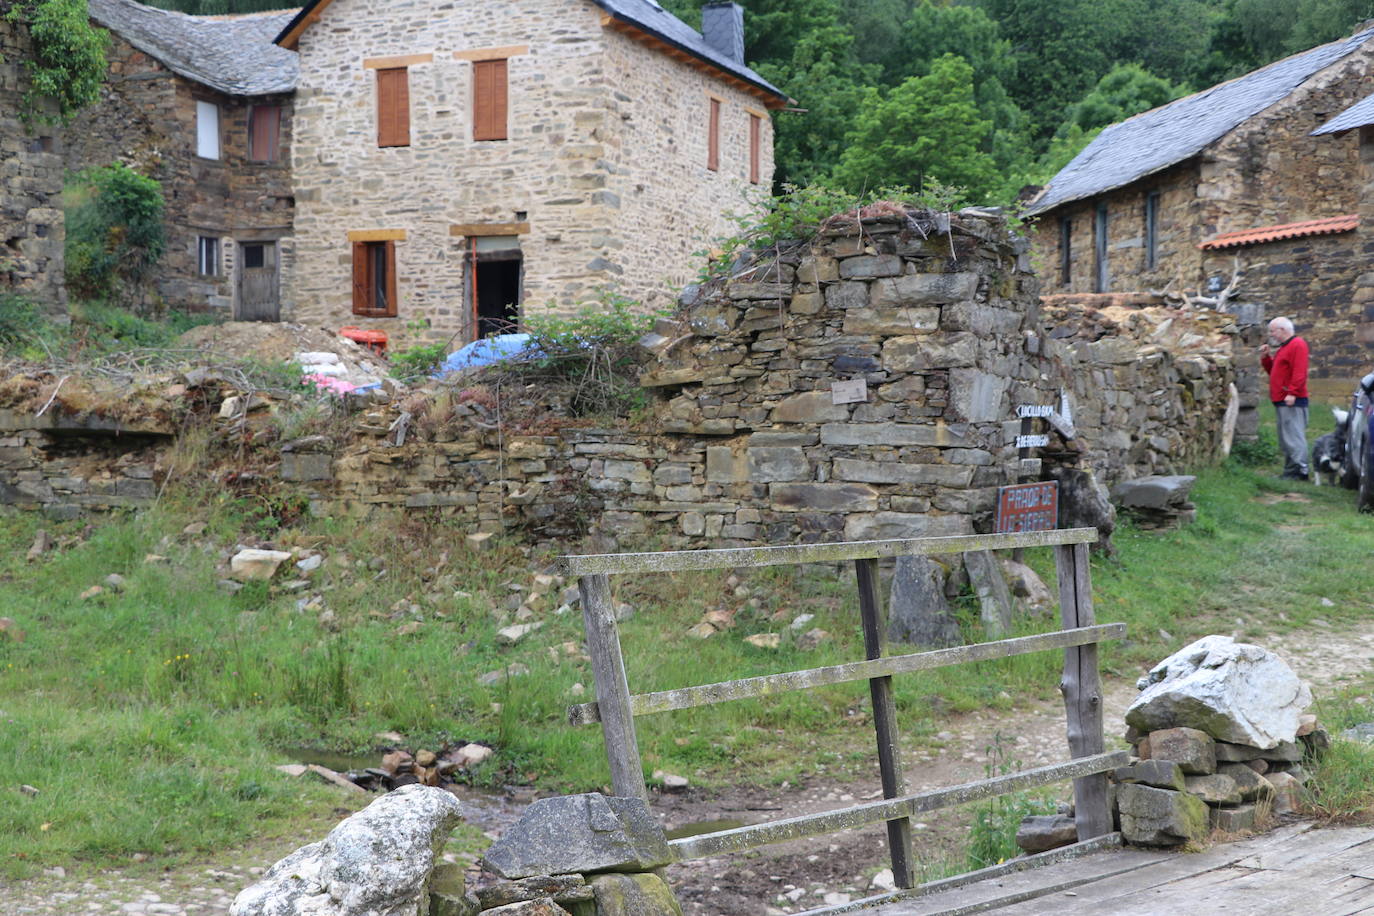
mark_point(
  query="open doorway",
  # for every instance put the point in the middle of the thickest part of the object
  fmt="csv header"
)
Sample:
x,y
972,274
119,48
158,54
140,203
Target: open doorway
x,y
495,287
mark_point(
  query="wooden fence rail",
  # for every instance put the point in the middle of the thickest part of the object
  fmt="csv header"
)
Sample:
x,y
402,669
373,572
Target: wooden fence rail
x,y
615,707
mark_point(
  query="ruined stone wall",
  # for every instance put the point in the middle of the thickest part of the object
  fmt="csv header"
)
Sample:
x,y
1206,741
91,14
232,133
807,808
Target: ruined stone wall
x,y
146,118
943,328
584,191
32,229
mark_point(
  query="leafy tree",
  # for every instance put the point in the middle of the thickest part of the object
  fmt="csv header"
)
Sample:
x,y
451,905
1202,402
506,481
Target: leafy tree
x,y
115,235
1128,89
926,129
69,54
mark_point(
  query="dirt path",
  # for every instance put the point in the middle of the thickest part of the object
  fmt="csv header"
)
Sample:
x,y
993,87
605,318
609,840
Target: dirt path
x,y
787,877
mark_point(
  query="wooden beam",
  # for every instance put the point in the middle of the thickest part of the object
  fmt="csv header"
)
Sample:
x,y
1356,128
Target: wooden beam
x,y
612,688
400,60
377,235
643,704
1082,690
727,841
481,229
481,54
724,558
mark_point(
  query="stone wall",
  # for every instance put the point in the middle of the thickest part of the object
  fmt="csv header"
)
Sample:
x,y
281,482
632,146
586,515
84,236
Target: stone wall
x,y
32,229
604,151
146,118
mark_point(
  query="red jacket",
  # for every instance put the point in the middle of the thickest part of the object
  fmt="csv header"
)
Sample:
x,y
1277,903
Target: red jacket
x,y
1287,370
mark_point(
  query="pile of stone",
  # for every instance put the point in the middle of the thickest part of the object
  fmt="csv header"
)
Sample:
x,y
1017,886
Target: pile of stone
x,y
587,854
1221,741
1157,502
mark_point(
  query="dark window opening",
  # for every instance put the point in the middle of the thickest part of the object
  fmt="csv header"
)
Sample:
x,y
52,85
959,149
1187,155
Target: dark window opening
x,y
207,255
1151,230
1065,250
495,269
254,255
1101,281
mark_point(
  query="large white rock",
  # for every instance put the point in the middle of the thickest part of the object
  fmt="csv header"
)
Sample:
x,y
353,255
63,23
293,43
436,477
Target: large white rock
x,y
1235,692
376,863
252,563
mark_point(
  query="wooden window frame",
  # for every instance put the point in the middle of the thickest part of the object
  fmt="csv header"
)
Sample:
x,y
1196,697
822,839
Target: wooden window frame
x,y
490,99
209,252
393,107
713,133
273,153
365,261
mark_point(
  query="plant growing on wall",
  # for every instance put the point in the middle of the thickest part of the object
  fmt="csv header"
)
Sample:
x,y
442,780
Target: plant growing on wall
x,y
115,235
68,65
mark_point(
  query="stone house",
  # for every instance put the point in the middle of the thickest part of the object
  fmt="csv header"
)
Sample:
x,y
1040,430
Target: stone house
x,y
204,105
456,167
31,222
1228,179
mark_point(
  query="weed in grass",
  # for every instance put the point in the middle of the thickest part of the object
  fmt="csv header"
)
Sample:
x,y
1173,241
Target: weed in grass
x,y
992,837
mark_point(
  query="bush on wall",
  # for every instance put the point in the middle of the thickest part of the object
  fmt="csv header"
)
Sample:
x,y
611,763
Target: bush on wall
x,y
68,65
115,235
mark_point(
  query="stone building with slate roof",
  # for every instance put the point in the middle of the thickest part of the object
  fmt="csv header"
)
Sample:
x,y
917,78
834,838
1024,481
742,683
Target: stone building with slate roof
x,y
1232,175
457,166
204,105
31,221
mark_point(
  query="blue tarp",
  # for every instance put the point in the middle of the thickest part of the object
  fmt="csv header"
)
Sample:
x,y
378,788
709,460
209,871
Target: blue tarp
x,y
488,350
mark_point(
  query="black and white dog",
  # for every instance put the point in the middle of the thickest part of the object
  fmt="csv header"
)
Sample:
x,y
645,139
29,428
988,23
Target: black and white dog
x,y
1328,452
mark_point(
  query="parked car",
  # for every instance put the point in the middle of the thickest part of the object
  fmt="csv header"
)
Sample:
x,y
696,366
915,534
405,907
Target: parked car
x,y
1357,473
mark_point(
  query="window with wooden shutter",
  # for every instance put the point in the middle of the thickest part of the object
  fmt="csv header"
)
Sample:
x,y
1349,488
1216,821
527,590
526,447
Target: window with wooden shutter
x,y
207,130
755,129
713,137
264,128
489,99
374,279
393,107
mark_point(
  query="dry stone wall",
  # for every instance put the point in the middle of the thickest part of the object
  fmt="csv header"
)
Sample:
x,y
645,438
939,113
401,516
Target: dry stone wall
x,y
935,316
32,228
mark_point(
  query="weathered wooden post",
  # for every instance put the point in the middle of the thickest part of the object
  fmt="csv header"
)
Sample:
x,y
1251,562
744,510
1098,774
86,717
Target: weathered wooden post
x,y
885,722
1082,689
612,687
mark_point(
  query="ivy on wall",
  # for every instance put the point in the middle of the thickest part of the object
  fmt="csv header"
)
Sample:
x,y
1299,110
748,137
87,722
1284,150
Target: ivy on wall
x,y
68,63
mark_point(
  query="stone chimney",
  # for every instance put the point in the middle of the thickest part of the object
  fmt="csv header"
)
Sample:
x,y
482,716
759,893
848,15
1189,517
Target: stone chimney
x,y
722,25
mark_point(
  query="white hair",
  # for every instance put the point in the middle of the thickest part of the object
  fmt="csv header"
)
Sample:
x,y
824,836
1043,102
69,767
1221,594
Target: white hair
x,y
1283,324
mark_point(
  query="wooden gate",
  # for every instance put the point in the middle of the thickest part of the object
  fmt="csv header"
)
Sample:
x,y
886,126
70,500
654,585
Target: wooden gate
x,y
256,282
615,707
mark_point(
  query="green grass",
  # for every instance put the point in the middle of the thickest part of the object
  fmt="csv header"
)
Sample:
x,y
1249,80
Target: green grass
x,y
149,719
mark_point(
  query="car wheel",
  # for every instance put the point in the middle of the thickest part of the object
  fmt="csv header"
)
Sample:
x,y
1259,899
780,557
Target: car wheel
x,y
1350,474
1365,502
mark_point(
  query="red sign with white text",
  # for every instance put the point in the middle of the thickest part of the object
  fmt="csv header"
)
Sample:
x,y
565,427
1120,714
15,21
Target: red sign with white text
x,y
1028,507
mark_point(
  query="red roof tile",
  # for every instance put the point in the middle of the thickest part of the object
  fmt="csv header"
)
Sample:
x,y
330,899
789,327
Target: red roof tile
x,y
1328,226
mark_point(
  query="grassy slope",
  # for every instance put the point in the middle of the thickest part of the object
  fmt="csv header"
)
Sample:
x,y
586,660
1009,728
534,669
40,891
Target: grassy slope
x,y
148,718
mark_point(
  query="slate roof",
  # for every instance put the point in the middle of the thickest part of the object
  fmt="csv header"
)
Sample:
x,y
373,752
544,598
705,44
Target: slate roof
x,y
1361,114
644,15
232,54
1331,225
1164,136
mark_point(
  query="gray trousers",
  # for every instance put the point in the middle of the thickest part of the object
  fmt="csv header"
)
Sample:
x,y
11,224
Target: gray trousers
x,y
1293,438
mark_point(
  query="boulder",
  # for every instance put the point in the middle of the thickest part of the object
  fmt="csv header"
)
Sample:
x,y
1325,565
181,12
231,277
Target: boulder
x,y
1287,792
376,863
561,888
1250,784
918,613
994,597
1162,774
1028,586
1043,832
1235,692
1156,492
1159,817
1190,748
580,833
1214,789
1084,503
1233,820
252,563
634,895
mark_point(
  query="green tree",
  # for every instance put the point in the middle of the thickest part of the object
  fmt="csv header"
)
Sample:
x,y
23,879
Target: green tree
x,y
926,129
115,235
69,54
1126,90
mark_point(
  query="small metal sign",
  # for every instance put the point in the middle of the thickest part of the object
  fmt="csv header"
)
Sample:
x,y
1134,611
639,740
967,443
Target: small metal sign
x,y
1028,507
1034,410
851,391
1034,440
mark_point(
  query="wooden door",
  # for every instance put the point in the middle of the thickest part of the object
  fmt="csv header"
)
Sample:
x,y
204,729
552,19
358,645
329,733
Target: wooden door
x,y
257,282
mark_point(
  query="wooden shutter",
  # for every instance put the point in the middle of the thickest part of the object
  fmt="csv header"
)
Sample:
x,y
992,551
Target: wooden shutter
x,y
264,126
393,107
389,309
755,123
362,290
489,98
713,137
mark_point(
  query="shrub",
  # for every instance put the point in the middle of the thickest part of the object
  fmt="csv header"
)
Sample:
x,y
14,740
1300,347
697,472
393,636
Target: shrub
x,y
69,54
115,235
1261,450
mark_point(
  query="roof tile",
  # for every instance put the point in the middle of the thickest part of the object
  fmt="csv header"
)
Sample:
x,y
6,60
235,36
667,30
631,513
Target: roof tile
x,y
1329,226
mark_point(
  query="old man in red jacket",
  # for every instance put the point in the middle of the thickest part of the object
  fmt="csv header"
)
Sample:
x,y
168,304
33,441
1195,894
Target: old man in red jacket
x,y
1287,368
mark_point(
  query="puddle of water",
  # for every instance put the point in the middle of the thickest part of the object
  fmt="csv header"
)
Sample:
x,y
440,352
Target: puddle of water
x,y
339,763
697,828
